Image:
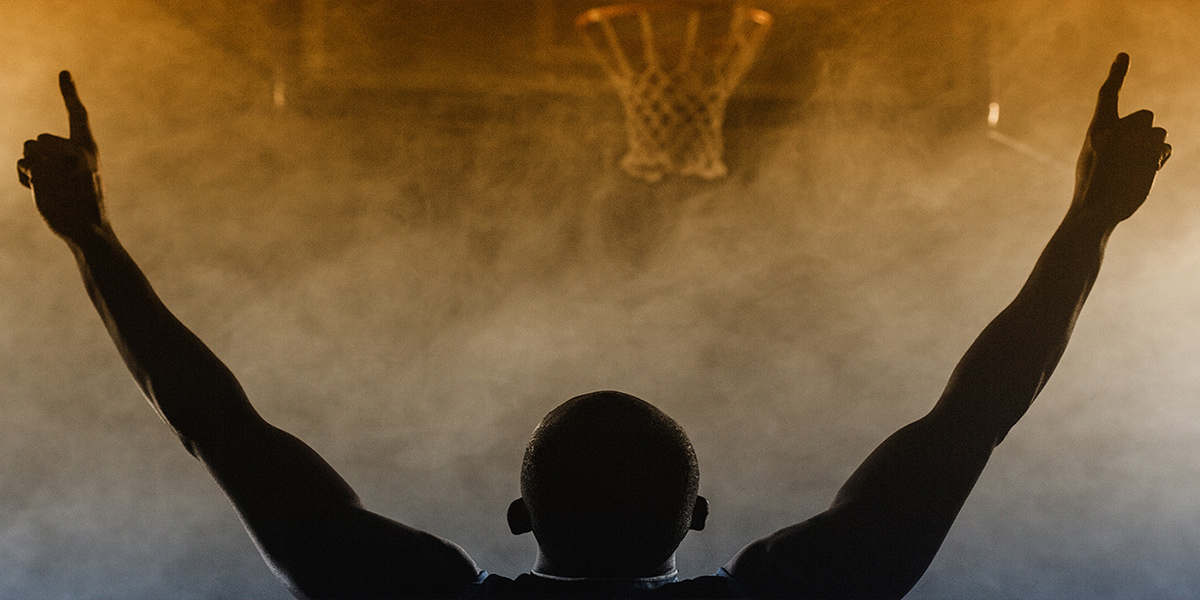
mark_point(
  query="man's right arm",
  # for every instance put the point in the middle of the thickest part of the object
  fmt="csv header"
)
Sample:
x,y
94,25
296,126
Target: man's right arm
x,y
304,518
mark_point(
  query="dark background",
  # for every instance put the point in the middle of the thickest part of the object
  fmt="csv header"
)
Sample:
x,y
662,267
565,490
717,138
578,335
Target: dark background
x,y
403,226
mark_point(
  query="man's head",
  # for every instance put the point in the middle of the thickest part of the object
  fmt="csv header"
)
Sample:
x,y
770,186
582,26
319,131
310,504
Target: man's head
x,y
608,486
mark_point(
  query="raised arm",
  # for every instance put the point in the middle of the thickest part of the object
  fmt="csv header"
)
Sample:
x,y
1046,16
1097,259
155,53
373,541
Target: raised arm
x,y
304,518
887,522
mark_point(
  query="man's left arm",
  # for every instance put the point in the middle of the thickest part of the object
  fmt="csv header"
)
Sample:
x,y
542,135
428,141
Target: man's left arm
x,y
889,519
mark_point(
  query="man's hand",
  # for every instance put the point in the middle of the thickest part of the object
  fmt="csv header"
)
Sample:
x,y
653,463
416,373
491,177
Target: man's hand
x,y
1120,155
64,174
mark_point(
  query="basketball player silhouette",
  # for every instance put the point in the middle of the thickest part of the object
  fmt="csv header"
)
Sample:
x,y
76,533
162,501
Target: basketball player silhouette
x,y
609,483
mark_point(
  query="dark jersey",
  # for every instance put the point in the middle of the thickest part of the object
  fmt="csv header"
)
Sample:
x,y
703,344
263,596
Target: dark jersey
x,y
533,586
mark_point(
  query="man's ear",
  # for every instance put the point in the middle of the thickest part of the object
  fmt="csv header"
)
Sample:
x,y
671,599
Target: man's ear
x,y
518,517
699,513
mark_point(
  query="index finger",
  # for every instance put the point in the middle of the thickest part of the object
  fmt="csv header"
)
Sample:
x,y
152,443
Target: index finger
x,y
76,114
1106,104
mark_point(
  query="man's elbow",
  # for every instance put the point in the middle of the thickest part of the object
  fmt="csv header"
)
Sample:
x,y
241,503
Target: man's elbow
x,y
204,417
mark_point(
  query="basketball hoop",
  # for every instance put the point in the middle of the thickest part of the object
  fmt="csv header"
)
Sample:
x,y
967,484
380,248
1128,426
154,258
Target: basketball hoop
x,y
674,89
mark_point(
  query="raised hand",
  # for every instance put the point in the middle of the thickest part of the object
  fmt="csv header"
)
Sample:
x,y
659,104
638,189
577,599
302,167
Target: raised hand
x,y
64,173
1120,156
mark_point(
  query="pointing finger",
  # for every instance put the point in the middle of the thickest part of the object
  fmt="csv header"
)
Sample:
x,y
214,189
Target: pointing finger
x,y
1106,104
76,113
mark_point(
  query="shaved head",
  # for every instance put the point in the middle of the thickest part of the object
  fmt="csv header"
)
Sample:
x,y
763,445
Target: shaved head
x,y
610,482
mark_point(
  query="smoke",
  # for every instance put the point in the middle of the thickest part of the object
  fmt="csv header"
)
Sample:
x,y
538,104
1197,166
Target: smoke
x,y
409,282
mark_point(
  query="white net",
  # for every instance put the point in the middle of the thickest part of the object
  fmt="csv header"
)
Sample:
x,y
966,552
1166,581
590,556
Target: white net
x,y
675,89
